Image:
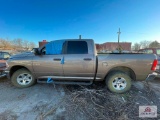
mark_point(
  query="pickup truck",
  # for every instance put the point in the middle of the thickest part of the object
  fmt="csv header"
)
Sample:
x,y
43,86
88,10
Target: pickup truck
x,y
75,61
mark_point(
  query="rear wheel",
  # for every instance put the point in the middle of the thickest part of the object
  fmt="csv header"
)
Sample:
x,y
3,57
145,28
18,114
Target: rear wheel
x,y
118,82
22,78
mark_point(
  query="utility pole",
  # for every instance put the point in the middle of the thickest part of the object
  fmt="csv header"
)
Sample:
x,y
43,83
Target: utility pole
x,y
119,47
118,35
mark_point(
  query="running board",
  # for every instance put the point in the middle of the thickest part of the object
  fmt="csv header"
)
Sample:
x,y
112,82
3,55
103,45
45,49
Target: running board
x,y
65,82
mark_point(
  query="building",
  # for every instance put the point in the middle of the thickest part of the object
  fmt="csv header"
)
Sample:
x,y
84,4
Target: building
x,y
42,43
110,46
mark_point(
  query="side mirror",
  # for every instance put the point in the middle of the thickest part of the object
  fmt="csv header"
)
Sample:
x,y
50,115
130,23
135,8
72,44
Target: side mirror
x,y
35,51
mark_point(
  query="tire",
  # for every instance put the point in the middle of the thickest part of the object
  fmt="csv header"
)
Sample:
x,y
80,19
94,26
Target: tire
x,y
118,82
22,78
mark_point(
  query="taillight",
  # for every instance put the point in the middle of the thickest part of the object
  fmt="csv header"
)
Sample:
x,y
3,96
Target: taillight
x,y
154,65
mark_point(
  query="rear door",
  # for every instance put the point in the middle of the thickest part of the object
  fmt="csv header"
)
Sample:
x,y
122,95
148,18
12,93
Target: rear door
x,y
79,60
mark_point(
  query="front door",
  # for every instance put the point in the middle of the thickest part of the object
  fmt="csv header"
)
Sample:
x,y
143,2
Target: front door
x,y
49,63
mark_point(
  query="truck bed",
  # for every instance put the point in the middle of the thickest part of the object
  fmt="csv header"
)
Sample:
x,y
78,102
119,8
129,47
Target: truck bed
x,y
137,62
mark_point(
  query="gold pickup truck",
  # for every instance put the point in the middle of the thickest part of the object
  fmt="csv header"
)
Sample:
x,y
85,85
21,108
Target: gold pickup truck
x,y
75,61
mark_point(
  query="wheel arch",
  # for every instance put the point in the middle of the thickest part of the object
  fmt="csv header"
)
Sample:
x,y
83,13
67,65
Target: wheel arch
x,y
15,68
124,69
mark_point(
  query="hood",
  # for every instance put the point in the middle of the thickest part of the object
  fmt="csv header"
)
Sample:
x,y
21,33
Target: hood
x,y
21,55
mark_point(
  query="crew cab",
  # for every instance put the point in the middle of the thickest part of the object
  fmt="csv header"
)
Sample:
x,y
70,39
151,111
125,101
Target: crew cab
x,y
75,61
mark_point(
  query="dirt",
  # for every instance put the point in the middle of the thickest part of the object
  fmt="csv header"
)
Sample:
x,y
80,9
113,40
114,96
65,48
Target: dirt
x,y
69,102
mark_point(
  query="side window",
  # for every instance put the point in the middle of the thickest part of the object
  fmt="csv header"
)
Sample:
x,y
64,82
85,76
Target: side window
x,y
53,48
77,47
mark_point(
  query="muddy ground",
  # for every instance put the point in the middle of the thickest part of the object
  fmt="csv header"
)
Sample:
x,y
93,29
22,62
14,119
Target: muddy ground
x,y
69,102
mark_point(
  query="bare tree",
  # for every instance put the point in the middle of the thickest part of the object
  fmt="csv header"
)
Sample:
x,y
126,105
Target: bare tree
x,y
17,44
14,44
4,44
154,44
32,45
145,44
26,45
136,46
20,43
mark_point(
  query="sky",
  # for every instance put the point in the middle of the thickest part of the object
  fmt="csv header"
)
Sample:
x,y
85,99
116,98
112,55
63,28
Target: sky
x,y
37,20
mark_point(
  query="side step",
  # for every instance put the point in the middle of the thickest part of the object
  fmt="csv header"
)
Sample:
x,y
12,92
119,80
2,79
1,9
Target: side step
x,y
64,82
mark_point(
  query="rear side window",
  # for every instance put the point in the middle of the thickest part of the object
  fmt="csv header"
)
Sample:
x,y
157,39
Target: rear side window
x,y
77,47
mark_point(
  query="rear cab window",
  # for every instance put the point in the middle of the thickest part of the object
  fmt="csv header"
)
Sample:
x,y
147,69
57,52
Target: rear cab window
x,y
77,47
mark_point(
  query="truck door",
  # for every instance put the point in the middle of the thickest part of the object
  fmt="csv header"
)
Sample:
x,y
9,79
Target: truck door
x,y
79,60
48,64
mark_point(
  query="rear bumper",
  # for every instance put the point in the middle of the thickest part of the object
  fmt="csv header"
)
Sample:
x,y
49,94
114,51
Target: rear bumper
x,y
152,76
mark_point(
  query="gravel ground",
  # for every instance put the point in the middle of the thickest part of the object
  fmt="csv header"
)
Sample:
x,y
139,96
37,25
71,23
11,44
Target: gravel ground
x,y
69,102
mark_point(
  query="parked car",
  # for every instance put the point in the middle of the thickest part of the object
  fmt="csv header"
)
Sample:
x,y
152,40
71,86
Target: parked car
x,y
3,57
150,50
77,62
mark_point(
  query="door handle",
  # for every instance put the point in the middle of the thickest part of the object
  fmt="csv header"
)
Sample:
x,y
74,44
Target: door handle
x,y
87,59
57,59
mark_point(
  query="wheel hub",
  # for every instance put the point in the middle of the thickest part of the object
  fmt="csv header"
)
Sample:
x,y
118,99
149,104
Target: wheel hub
x,y
119,83
24,79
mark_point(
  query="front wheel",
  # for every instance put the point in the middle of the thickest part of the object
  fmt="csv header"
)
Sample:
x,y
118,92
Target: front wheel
x,y
22,78
118,82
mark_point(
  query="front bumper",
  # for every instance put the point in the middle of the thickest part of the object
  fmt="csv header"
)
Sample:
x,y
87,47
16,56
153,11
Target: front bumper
x,y
7,74
2,73
152,76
